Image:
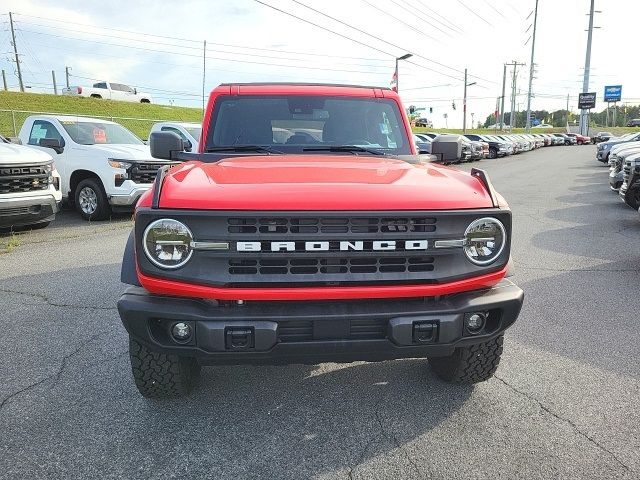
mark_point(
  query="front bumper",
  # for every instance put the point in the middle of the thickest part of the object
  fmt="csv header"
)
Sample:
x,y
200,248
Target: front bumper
x,y
615,179
18,211
321,331
601,155
129,199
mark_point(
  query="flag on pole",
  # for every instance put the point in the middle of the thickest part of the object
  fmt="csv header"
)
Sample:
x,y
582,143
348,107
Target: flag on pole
x,y
394,81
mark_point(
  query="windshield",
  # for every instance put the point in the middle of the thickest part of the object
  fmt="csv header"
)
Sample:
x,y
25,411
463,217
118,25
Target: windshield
x,y
194,131
95,133
293,124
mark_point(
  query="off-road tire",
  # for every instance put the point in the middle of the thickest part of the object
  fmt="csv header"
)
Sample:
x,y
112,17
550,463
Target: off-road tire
x,y
472,364
102,210
158,375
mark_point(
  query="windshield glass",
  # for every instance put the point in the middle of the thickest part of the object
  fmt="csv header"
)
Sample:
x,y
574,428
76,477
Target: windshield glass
x,y
94,133
295,123
194,131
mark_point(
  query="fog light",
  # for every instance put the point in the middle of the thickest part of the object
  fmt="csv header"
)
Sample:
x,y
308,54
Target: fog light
x,y
181,331
475,322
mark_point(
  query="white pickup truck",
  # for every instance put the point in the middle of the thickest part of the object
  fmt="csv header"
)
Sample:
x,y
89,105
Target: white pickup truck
x,y
110,91
29,187
103,166
189,132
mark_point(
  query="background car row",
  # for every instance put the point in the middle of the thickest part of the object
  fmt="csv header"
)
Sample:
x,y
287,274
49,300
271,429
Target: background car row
x,y
622,154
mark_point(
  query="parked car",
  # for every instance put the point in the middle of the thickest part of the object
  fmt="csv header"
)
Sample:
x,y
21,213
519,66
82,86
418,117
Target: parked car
x,y
109,91
103,166
189,132
238,256
496,148
567,139
634,123
617,157
30,193
604,148
601,137
423,122
630,188
580,139
423,145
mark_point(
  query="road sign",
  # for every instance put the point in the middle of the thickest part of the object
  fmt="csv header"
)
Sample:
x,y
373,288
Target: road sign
x,y
612,93
587,101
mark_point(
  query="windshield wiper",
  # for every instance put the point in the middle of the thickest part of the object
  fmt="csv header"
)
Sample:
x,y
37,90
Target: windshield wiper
x,y
243,148
343,148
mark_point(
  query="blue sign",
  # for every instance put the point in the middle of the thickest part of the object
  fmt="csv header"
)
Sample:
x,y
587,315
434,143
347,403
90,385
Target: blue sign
x,y
612,93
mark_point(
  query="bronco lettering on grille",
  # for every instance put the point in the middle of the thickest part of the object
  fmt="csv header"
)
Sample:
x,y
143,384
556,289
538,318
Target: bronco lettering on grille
x,y
326,246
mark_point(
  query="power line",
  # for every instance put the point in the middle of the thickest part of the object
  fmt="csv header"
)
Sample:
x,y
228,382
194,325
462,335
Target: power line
x,y
388,43
419,16
198,47
442,19
475,13
398,20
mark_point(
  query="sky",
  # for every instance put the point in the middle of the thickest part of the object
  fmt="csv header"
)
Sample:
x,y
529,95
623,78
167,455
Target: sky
x,y
157,46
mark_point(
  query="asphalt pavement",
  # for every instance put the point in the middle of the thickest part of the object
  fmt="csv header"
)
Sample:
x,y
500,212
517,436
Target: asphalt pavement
x,y
565,402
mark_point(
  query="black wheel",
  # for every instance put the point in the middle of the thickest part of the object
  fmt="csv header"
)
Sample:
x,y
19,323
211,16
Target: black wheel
x,y
493,153
95,96
91,201
472,364
158,375
632,198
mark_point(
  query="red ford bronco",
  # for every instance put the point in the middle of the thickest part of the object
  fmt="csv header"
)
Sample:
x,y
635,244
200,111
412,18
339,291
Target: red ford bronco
x,y
306,229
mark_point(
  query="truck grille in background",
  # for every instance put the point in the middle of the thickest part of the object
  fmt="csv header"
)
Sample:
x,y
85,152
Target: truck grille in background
x,y
320,266
145,172
332,225
626,172
24,178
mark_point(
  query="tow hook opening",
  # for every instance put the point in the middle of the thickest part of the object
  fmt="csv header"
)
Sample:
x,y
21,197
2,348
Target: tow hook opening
x,y
425,332
239,338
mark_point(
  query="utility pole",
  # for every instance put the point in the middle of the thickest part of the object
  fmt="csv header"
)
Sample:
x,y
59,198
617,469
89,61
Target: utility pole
x,y
531,67
204,70
66,73
4,80
55,85
403,57
567,112
584,127
464,105
512,120
15,52
504,81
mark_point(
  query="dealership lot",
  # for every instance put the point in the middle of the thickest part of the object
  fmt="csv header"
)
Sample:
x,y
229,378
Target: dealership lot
x,y
565,401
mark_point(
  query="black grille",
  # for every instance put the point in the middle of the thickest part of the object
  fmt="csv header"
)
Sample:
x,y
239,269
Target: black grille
x,y
335,225
361,329
320,266
626,171
145,172
8,212
24,178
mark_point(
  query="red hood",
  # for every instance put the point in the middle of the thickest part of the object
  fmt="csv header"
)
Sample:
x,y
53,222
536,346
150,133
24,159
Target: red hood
x,y
319,182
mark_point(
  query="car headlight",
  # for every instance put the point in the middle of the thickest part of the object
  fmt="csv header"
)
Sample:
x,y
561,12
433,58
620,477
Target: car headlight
x,y
167,243
116,163
484,240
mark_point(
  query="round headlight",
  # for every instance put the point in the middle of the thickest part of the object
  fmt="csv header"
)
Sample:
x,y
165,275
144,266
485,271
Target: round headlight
x,y
167,243
484,240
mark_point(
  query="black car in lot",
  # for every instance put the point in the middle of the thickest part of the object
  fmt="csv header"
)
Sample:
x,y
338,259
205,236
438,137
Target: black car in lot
x,y
601,137
496,148
634,122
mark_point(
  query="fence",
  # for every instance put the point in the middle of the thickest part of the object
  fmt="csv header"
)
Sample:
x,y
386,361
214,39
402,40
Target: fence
x,y
11,121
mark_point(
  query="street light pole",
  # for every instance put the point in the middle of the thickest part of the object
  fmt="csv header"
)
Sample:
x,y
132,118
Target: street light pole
x,y
403,57
531,68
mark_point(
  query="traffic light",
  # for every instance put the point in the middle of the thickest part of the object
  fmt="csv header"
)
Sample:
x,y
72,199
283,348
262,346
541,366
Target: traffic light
x,y
412,109
453,105
430,109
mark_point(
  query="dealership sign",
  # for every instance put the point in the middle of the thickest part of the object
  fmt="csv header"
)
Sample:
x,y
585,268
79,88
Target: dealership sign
x,y
612,93
587,101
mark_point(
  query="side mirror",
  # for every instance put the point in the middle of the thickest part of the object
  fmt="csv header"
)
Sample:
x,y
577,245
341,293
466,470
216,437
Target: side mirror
x,y
165,145
52,143
188,146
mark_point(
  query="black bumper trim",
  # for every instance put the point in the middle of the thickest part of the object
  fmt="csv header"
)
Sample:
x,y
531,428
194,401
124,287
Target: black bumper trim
x,y
141,311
